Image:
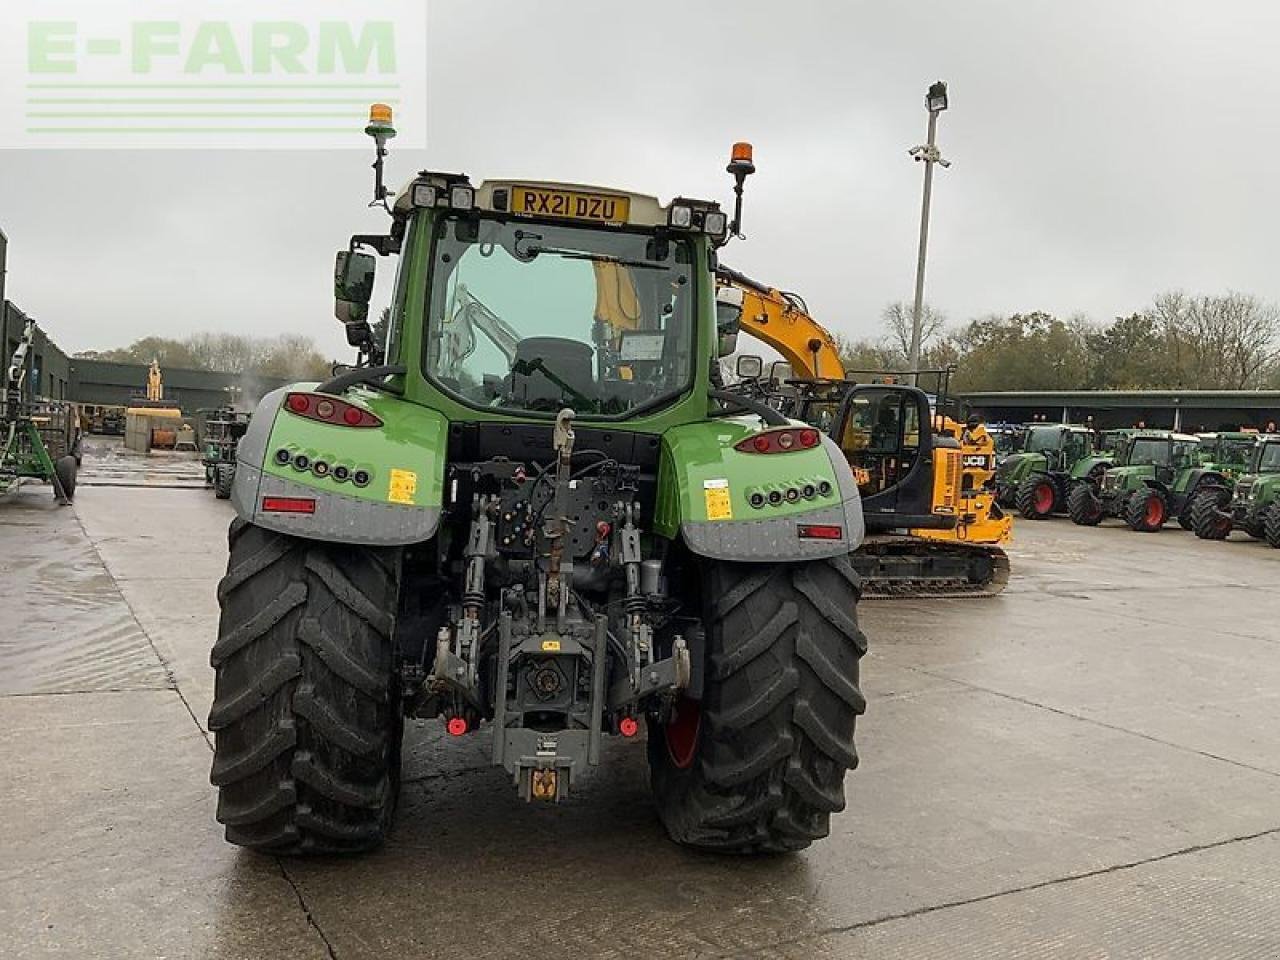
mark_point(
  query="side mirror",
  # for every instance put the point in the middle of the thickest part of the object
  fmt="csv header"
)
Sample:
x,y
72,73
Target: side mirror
x,y
780,371
749,367
353,285
728,319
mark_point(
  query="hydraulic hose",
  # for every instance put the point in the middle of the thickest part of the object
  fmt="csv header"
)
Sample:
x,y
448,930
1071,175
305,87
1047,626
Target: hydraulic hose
x,y
769,415
336,385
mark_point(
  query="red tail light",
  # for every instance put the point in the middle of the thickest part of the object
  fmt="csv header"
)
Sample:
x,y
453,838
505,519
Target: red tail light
x,y
820,531
780,441
317,406
288,505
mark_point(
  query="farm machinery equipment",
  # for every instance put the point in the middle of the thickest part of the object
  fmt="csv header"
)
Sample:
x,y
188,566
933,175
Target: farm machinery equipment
x,y
1054,457
1254,503
535,518
41,437
1160,478
933,526
1008,439
223,429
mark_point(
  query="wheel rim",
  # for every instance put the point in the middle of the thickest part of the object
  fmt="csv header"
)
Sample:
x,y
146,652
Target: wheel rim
x,y
1155,512
1044,498
682,733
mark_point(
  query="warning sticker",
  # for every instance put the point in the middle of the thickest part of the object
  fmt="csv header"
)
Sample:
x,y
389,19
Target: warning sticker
x,y
716,493
402,487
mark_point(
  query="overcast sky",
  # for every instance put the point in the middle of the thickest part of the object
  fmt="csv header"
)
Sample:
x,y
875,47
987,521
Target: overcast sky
x,y
1103,150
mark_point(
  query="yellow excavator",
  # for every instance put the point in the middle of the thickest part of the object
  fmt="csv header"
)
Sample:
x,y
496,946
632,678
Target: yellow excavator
x,y
934,528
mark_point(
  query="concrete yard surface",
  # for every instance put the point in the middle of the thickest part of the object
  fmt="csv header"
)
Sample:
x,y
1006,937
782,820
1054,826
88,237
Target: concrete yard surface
x,y
1085,766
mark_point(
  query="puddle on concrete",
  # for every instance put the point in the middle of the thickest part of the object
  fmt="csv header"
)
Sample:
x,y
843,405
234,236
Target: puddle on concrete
x,y
107,463
63,624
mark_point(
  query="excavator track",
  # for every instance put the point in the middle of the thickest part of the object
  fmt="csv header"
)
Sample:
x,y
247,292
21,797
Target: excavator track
x,y
895,566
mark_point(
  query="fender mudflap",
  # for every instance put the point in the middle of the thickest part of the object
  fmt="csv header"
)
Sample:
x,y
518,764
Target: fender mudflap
x,y
327,516
805,536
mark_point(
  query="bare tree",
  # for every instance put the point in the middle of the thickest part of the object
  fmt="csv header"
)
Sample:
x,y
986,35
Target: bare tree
x,y
1222,342
897,318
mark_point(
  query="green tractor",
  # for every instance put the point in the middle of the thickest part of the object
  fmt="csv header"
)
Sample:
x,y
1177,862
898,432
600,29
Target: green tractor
x,y
1159,478
1253,505
1053,459
223,428
39,439
537,512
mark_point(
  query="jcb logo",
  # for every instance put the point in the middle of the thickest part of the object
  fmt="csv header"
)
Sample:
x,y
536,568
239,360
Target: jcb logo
x,y
977,460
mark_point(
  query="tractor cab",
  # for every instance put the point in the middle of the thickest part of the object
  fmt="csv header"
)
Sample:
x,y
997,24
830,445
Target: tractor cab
x,y
884,432
1060,444
1226,452
1160,455
1265,457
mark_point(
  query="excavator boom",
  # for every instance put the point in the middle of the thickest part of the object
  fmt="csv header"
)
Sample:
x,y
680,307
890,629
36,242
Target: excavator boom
x,y
782,321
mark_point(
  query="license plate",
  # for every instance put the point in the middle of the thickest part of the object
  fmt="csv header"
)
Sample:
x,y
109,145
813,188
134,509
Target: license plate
x,y
569,204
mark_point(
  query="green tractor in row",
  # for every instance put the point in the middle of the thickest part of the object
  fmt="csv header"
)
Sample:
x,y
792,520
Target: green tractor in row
x,y
1054,458
529,515
1252,506
1160,475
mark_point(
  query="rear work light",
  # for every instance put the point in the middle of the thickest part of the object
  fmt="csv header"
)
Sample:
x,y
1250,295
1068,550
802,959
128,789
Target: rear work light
x,y
780,441
820,531
288,505
317,406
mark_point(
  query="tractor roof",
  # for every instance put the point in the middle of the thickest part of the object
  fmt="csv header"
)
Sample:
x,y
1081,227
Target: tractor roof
x,y
643,210
1164,435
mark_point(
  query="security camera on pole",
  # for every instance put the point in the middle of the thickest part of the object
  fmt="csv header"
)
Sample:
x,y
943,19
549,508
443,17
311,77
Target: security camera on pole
x,y
935,102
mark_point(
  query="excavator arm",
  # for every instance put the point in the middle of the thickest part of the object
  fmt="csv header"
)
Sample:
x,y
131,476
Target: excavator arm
x,y
782,321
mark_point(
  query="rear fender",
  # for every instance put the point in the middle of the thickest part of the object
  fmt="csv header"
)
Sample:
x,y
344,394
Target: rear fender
x,y
1160,486
1082,469
1195,479
404,460
705,489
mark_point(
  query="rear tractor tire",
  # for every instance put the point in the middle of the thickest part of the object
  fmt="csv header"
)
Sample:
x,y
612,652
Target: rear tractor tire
x,y
1036,497
1083,505
1208,519
1271,525
66,469
1146,511
306,710
223,475
758,765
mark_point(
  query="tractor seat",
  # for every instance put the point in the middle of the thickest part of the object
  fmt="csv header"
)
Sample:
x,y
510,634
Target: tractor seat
x,y
567,360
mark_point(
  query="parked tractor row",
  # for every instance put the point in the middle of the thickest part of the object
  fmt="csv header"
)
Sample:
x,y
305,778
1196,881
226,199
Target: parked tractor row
x,y
1211,483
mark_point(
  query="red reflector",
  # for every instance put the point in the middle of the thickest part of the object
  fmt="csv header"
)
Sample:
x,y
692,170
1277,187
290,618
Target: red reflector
x,y
627,726
330,410
456,726
779,441
288,505
820,531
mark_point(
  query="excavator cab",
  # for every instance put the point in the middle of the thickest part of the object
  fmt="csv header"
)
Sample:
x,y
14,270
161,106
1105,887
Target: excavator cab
x,y
884,433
